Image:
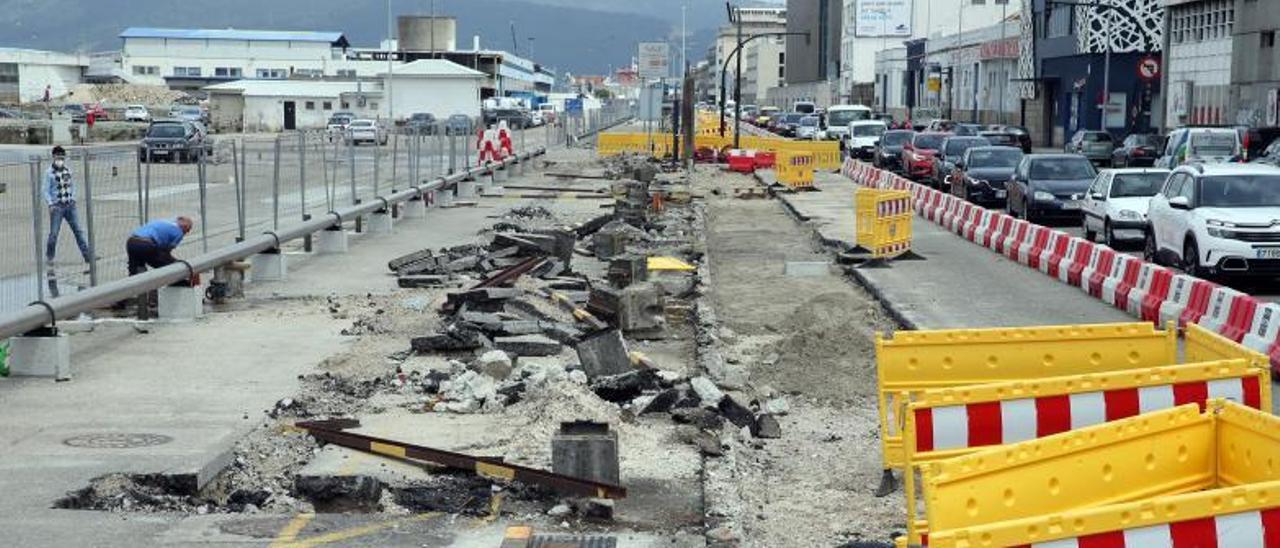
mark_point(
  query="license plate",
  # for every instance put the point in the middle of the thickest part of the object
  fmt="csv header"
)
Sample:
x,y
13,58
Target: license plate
x,y
1268,253
1001,194
1071,205
159,152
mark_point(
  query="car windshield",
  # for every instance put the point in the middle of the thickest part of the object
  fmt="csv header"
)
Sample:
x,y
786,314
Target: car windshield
x,y
792,118
956,147
190,111
1000,138
867,130
1137,185
994,158
362,123
1052,169
1144,140
339,120
166,131
1096,137
929,141
1213,144
1240,191
896,138
843,117
809,121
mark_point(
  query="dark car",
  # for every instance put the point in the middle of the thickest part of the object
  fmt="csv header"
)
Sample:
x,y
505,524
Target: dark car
x,y
1024,136
515,118
1049,185
888,153
917,155
1001,138
76,111
968,130
1138,150
1257,140
1097,146
174,141
982,173
787,124
951,151
458,124
423,123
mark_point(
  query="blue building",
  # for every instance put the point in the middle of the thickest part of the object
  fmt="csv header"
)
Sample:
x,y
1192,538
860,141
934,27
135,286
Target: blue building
x,y
1061,76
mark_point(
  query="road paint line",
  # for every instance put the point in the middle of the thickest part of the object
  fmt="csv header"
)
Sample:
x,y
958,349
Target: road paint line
x,y
291,530
359,531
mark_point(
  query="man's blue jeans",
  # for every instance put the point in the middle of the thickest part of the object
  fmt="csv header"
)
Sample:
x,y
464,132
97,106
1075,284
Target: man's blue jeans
x,y
57,213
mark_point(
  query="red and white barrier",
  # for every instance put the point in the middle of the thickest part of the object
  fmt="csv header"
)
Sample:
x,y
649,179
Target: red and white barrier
x,y
1074,272
504,139
1012,421
1256,528
1124,275
1101,264
1266,329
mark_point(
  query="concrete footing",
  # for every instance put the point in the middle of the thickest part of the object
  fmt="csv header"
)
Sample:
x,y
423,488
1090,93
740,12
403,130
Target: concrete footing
x,y
586,450
444,197
381,223
467,189
269,267
47,354
501,175
181,303
330,242
414,209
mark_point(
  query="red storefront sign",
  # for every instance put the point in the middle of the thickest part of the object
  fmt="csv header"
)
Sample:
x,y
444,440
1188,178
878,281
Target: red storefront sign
x,y
1009,48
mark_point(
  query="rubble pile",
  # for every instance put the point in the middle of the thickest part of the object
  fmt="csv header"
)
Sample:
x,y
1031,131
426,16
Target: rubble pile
x,y
119,95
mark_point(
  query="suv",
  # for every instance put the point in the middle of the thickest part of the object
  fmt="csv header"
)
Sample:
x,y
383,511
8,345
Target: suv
x,y
1097,146
1217,220
175,141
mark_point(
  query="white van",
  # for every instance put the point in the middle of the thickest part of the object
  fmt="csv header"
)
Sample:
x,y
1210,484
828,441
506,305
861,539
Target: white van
x,y
840,116
1201,145
804,107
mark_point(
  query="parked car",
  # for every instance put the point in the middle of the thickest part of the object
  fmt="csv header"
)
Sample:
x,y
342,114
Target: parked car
x,y
1049,185
767,115
1137,150
99,112
548,111
1116,204
1097,146
365,131
888,154
458,124
951,151
137,113
917,155
861,138
1024,136
515,118
423,123
1201,145
941,125
10,114
535,117
174,141
337,126
788,124
76,111
191,114
808,128
968,130
982,173
1217,220
1001,138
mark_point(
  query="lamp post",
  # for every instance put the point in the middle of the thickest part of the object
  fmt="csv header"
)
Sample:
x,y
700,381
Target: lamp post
x,y
1106,70
724,69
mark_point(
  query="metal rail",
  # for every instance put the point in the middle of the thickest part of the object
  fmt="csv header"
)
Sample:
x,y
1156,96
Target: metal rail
x,y
46,312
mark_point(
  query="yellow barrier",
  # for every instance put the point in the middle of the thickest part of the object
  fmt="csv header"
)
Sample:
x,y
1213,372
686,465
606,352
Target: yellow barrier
x,y
913,361
826,154
794,169
950,422
1202,345
884,221
1133,475
611,144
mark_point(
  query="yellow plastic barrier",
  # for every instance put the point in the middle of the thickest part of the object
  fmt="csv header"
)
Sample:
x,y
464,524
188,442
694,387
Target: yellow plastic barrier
x,y
913,361
611,144
1137,476
884,221
794,169
826,154
1202,345
950,422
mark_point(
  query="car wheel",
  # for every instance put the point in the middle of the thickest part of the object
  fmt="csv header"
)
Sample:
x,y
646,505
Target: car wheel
x,y
1191,259
1149,253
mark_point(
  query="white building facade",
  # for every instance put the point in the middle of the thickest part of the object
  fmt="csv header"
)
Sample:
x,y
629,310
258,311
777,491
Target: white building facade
x,y
26,73
1198,62
764,73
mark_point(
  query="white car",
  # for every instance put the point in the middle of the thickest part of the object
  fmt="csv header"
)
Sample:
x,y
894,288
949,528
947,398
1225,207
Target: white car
x,y
862,137
535,118
1217,219
1204,145
137,113
1116,203
365,131
809,128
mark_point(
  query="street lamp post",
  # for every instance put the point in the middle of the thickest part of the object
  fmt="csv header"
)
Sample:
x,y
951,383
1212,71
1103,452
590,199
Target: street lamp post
x,y
724,69
1106,71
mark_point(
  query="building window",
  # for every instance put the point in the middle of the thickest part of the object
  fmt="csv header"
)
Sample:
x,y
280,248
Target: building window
x,y
186,71
310,105
1269,39
782,72
309,73
228,72
346,73
275,74
346,105
146,70
373,105
328,105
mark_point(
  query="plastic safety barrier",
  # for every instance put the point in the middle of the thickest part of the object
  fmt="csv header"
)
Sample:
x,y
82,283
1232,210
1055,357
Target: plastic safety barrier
x,y
950,422
1201,345
795,169
913,361
1131,482
884,219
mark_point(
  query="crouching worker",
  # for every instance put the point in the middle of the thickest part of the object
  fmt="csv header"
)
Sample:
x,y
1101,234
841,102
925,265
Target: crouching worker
x,y
152,245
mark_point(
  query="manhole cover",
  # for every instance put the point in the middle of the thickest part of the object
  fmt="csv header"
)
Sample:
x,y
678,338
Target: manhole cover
x,y
117,440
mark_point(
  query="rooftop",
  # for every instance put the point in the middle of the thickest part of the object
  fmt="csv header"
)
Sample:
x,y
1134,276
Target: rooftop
x,y
293,88
435,67
334,38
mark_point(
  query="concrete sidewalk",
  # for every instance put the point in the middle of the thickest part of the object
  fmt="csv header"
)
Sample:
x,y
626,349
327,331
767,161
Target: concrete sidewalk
x,y
957,284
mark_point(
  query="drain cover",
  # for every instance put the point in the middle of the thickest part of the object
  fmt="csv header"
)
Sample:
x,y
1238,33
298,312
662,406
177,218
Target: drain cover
x,y
117,440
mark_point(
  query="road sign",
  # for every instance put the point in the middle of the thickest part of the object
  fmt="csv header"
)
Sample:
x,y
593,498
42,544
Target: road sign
x,y
573,106
655,60
1149,68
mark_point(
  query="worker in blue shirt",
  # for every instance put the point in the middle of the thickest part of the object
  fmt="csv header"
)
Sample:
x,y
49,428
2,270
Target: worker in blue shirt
x,y
152,244
60,196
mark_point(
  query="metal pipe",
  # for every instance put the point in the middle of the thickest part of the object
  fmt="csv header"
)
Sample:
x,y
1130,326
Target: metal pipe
x,y
42,312
89,224
36,192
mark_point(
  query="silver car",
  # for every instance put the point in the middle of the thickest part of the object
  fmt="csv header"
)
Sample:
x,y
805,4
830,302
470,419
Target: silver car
x,y
1097,146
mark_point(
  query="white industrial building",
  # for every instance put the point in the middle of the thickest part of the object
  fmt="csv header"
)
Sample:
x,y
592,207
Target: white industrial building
x,y
26,73
438,87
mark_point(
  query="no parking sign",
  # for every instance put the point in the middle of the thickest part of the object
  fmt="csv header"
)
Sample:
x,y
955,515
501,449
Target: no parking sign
x,y
1149,68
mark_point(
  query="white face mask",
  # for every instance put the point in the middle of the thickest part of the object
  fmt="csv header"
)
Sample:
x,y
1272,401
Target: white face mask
x,y
59,163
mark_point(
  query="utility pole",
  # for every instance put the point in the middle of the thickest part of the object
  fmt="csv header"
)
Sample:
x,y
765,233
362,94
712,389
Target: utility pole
x,y
432,49
1004,19
684,38
391,105
737,85
1106,75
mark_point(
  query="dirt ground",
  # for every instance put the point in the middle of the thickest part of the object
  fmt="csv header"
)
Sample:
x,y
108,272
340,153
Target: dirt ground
x,y
812,339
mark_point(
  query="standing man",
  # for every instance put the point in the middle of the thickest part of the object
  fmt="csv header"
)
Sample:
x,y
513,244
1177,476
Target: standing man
x,y
60,196
152,244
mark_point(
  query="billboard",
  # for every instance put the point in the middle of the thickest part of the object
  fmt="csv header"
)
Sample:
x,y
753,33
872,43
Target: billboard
x,y
655,60
883,18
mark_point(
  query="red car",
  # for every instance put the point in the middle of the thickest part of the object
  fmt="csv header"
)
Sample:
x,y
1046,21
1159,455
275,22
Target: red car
x,y
99,113
917,155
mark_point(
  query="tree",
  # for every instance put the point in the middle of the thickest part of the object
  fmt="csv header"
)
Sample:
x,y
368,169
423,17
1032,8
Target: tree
x,y
603,94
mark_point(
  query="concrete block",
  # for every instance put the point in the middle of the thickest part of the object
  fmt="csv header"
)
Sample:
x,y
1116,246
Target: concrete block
x,y
445,198
45,355
586,450
330,242
181,303
466,189
806,269
381,223
414,209
501,175
269,267
604,354
528,345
